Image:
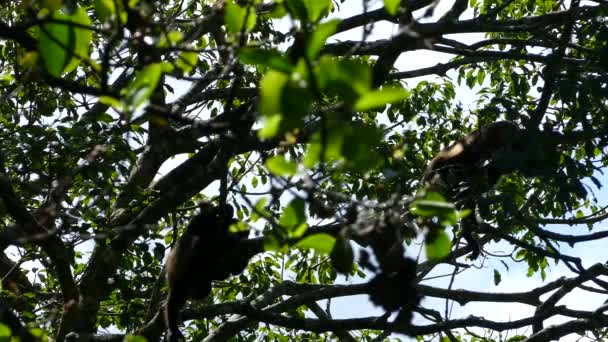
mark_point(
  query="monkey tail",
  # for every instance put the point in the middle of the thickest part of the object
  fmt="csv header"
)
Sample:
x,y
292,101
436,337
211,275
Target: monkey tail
x,y
172,307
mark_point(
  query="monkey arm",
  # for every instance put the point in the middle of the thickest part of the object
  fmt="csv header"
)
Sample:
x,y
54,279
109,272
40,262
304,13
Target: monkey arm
x,y
238,253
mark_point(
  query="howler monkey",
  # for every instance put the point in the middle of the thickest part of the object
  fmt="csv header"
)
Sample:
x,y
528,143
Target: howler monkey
x,y
473,165
487,152
206,251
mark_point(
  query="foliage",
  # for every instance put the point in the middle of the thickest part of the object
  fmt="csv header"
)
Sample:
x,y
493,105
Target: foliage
x,y
117,117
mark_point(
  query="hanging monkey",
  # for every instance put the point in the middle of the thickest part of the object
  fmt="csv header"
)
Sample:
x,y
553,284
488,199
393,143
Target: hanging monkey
x,y
206,251
393,287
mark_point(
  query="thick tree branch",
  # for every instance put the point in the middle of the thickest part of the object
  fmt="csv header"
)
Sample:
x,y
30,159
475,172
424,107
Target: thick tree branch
x,y
586,275
440,69
455,11
557,331
512,55
592,218
159,146
378,15
570,239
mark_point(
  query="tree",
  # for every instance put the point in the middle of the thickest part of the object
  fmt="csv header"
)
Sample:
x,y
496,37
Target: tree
x,y
320,145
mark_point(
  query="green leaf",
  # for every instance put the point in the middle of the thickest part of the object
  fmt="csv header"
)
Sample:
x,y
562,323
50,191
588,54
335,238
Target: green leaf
x,y
260,210
391,6
171,39
294,214
232,17
286,101
430,205
252,20
463,213
236,16
28,59
54,56
319,36
360,145
444,211
105,9
440,247
271,88
272,59
322,243
317,9
39,333
481,76
352,143
52,5
166,67
111,101
378,98
187,60
143,86
6,79
331,149
299,231
347,79
82,38
238,227
135,338
281,167
276,12
313,155
297,8
296,99
63,45
271,243
5,332
272,126
104,117
435,205
497,277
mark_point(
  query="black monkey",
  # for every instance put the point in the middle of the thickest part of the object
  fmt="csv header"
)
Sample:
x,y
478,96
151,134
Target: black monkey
x,y
486,153
206,251
393,287
481,158
474,164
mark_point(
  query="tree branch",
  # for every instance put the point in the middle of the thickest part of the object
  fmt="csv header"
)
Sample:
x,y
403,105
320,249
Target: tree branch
x,y
51,244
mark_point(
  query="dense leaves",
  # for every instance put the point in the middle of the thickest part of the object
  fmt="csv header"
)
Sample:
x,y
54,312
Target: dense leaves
x,y
117,118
